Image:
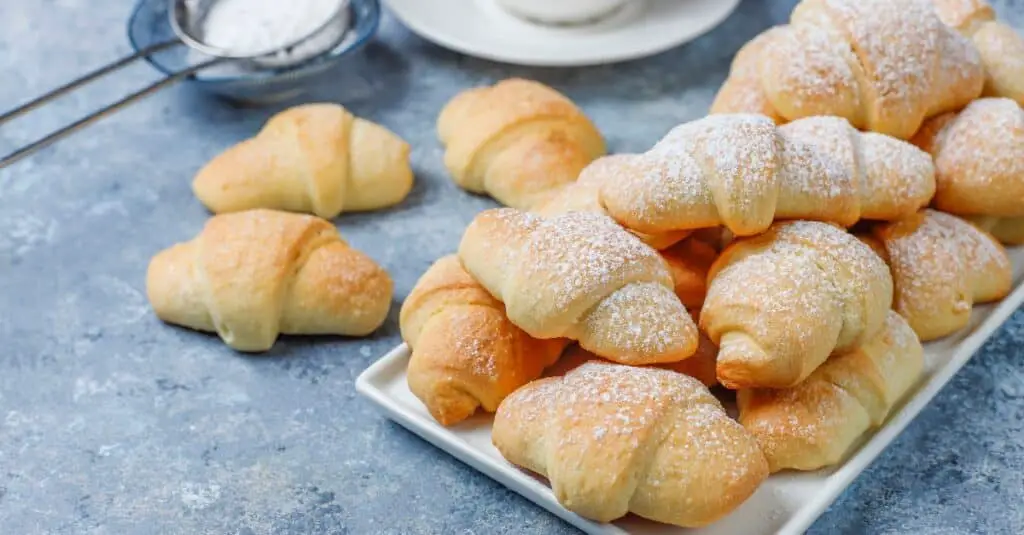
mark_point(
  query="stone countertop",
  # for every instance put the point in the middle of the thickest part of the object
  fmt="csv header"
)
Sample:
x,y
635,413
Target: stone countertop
x,y
111,422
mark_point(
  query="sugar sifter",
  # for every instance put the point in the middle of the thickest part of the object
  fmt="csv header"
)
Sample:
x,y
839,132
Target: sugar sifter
x,y
253,35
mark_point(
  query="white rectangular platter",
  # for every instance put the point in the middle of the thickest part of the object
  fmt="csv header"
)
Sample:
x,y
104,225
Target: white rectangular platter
x,y
787,503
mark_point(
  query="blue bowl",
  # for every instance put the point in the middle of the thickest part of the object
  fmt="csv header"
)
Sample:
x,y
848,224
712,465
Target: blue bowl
x,y
149,24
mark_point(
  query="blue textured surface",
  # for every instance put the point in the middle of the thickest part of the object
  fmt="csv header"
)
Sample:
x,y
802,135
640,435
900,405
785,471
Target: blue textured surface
x,y
111,422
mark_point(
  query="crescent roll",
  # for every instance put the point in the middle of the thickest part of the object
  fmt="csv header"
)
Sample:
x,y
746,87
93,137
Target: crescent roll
x,y
580,276
1000,46
518,141
743,172
815,423
780,303
941,266
313,158
1008,230
885,66
979,161
466,354
614,439
249,276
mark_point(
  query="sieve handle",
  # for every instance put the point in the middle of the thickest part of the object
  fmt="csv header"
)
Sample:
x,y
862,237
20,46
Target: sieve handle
x,y
103,112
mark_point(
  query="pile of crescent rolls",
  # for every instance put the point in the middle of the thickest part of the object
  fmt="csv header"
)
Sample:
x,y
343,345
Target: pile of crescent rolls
x,y
848,198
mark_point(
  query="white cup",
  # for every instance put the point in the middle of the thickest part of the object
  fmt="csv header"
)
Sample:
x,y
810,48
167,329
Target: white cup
x,y
561,11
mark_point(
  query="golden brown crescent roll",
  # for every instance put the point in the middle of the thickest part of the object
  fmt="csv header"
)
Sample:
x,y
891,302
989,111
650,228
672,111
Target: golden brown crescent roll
x,y
689,262
979,159
249,276
466,354
313,158
814,424
883,65
780,303
743,172
580,276
1000,46
615,439
518,141
941,266
1009,230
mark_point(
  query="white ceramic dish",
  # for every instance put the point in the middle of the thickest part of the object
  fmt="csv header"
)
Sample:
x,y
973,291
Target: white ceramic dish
x,y
788,503
484,29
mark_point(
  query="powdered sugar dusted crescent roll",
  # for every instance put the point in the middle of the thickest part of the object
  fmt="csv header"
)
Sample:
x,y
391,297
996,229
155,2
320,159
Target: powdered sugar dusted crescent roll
x,y
814,424
884,66
941,266
893,179
614,439
742,172
780,303
1009,230
1000,46
583,277
979,158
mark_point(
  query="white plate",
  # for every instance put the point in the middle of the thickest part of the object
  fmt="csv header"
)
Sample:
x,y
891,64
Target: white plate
x,y
787,503
482,28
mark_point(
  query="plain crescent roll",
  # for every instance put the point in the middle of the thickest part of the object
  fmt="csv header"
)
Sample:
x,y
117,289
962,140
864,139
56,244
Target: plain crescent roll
x,y
250,276
518,141
313,158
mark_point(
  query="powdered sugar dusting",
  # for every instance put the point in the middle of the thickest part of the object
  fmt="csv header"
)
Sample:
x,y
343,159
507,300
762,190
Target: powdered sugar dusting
x,y
579,251
941,257
979,159
978,249
741,152
890,177
809,277
857,275
810,64
639,319
582,276
604,405
806,414
988,129
809,174
898,47
836,141
959,56
774,283
719,167
896,173
652,189
470,346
